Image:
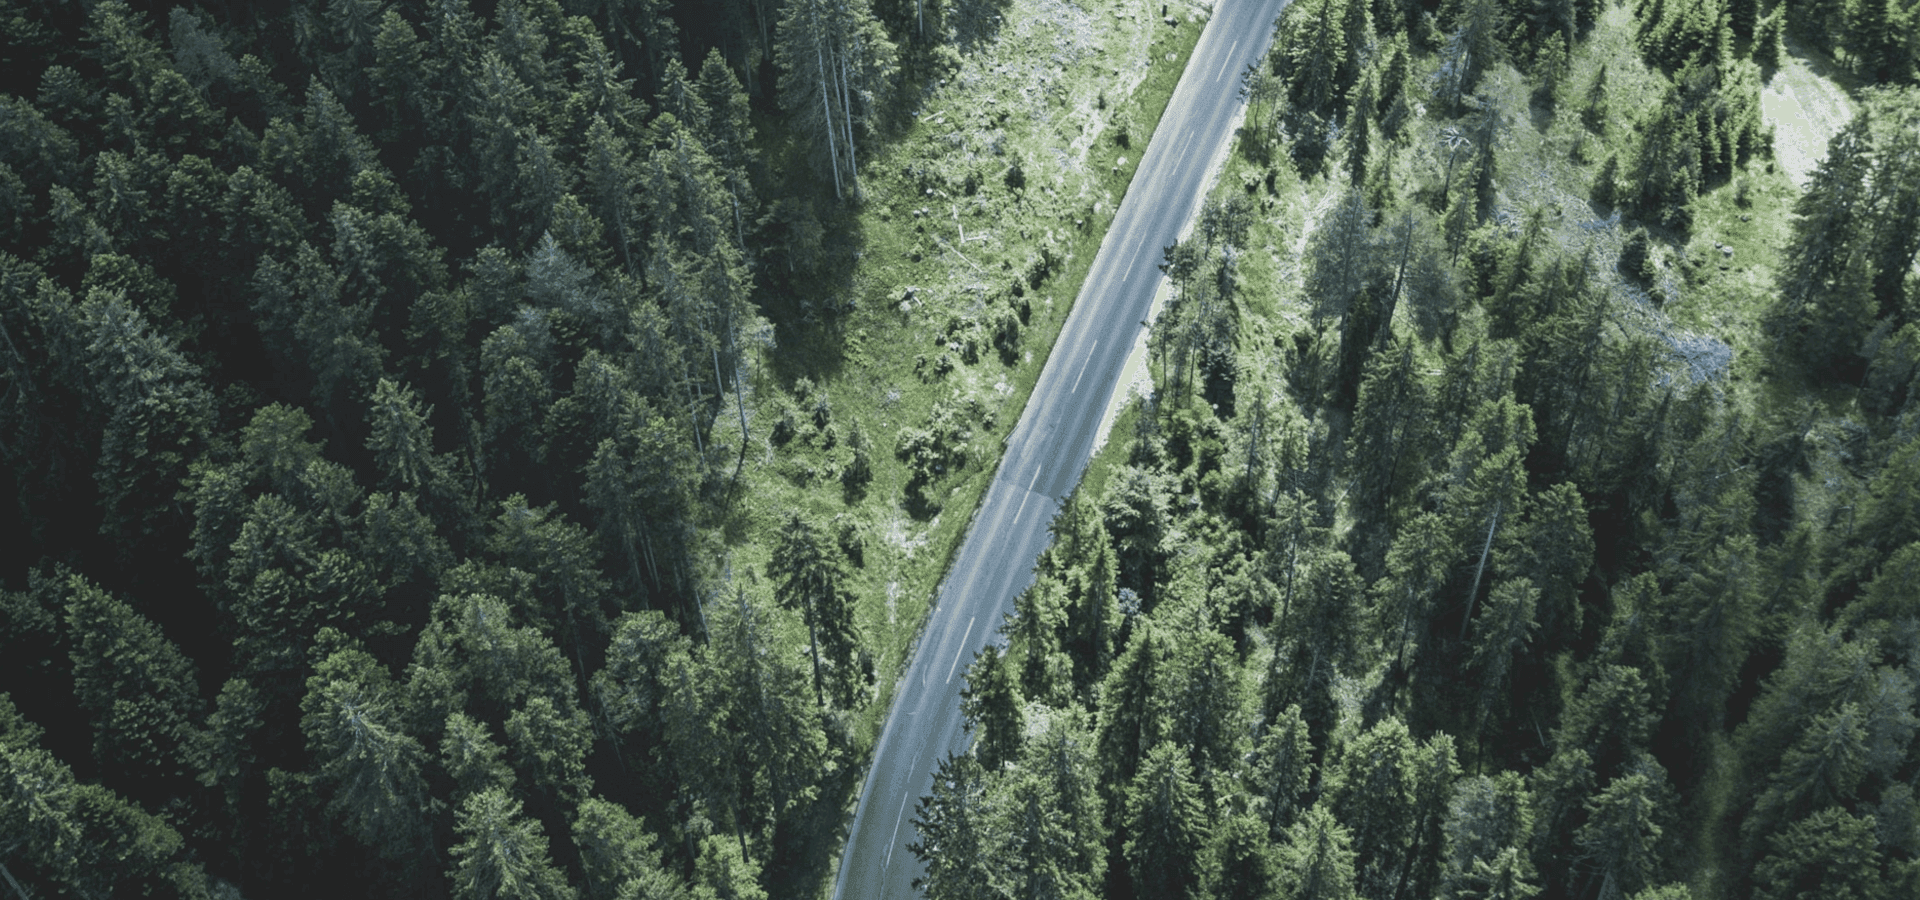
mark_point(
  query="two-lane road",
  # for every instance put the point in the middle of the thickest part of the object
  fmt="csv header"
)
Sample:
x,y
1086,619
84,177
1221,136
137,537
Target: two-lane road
x,y
1048,450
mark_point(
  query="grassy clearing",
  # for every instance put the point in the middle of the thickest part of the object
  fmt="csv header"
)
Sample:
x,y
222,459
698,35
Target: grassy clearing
x,y
1066,93
1806,106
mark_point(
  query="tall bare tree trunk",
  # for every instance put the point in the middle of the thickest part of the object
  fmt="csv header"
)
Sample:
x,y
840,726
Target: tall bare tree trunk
x,y
1481,569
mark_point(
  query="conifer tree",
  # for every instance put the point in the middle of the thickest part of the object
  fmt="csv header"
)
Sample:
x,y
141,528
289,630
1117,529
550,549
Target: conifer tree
x,y
135,686
1166,825
1371,788
1203,695
1487,817
838,64
1132,718
1318,859
1825,303
1831,853
1282,768
1620,841
809,573
992,704
1247,866
502,853
355,733
959,833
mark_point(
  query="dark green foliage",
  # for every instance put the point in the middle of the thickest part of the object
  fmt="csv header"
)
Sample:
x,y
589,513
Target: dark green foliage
x,y
1166,825
134,685
1202,689
1317,859
1673,35
373,768
1489,821
992,705
956,828
1372,786
1475,29
1132,720
1830,854
1619,842
84,839
809,577
1247,864
502,853
362,367
618,855
837,61
741,729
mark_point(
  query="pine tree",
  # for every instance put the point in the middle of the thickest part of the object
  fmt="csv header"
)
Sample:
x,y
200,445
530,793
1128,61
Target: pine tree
x,y
748,681
1825,767
809,573
550,743
640,482
1712,628
151,409
1608,719
477,655
1559,553
1370,788
1247,864
1282,768
83,839
730,138
1166,824
1825,304
1508,876
1505,625
472,758
1310,51
838,63
352,723
1132,716
959,833
1203,694
1039,615
1358,127
1472,46
1318,859
502,854
566,568
1830,854
724,871
1060,765
992,705
1620,840
630,693
135,687
618,856
1340,259
1486,817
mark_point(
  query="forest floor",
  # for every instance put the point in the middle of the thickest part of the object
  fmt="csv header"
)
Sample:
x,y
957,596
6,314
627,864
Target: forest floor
x,y
1066,92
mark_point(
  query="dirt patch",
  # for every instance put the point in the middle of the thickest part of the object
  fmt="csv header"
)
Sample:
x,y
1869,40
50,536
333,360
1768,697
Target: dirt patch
x,y
1805,111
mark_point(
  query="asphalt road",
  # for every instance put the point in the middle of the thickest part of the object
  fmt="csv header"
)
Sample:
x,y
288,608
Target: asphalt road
x,y
1047,451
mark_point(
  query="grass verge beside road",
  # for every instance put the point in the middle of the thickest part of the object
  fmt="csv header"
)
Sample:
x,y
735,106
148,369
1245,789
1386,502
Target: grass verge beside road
x,y
1009,174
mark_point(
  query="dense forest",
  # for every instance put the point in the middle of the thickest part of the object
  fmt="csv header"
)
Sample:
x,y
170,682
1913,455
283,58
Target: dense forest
x,y
1495,530
362,363
376,394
